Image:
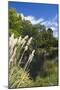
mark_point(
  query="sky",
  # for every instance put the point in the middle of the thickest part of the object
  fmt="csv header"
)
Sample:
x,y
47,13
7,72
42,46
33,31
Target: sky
x,y
45,14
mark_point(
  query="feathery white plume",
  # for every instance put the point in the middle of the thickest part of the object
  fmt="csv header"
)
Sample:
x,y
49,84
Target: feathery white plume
x,y
19,40
26,37
29,59
26,48
29,41
11,39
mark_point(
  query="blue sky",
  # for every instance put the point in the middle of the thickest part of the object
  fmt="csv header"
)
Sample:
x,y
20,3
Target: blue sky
x,y
46,14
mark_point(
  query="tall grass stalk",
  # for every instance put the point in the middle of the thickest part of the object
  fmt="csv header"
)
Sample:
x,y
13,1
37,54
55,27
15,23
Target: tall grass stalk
x,y
29,59
15,47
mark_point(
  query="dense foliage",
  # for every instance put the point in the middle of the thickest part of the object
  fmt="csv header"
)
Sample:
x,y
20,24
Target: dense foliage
x,y
44,66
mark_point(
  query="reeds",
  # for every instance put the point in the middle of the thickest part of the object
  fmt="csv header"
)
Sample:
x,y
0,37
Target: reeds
x,y
21,44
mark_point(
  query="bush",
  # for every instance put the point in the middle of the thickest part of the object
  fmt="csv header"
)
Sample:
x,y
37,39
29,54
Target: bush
x,y
49,76
11,31
18,78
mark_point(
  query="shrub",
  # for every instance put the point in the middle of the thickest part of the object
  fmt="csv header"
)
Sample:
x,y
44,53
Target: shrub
x,y
18,78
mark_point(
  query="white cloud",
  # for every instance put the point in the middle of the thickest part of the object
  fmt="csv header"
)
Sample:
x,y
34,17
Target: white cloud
x,y
53,28
55,34
22,16
32,19
52,23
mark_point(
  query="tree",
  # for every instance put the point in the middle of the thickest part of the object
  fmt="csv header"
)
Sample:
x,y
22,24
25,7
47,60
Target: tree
x,y
15,21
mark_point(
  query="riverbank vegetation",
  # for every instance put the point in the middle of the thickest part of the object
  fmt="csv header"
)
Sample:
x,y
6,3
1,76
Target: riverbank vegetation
x,y
33,53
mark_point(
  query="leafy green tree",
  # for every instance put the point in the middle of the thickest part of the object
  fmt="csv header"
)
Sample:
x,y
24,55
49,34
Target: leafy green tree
x,y
27,28
15,21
